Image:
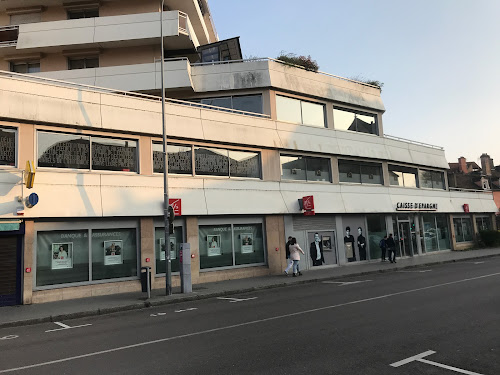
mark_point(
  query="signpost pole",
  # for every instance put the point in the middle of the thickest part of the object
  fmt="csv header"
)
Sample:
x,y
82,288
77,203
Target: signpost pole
x,y
168,271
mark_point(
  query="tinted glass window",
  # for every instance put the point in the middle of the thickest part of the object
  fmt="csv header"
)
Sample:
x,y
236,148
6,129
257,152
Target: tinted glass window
x,y
58,150
114,154
313,114
318,169
179,159
431,179
360,172
293,168
288,109
83,13
244,164
224,102
211,161
402,176
250,103
437,180
349,172
371,174
354,121
210,54
7,146
84,63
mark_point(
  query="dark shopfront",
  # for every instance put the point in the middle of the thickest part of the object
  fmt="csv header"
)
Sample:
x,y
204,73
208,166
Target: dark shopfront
x,y
11,239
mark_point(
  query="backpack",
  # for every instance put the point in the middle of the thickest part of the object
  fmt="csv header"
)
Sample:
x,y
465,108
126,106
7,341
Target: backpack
x,y
382,243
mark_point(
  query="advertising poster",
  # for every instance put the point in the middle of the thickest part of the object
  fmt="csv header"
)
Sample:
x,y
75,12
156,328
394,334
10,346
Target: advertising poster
x,y
62,255
246,243
327,242
213,245
172,248
113,252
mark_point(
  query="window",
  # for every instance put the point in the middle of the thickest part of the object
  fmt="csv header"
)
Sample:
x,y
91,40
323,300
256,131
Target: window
x,y
7,146
83,63
435,231
402,176
463,229
247,103
231,245
360,172
305,168
83,13
175,240
431,179
20,19
222,162
59,150
300,112
344,119
483,223
25,67
180,159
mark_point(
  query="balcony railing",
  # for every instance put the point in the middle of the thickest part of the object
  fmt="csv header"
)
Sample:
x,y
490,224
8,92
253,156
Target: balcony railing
x,y
8,36
183,21
413,142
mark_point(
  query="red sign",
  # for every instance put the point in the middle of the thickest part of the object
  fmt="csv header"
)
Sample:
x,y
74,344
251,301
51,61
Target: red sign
x,y
308,203
309,213
176,204
466,207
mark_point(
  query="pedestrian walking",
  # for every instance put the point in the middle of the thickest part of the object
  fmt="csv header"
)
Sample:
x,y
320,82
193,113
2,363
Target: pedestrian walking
x,y
287,252
295,251
383,247
391,246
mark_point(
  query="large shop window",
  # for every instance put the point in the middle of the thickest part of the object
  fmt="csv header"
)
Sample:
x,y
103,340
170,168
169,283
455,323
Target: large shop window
x,y
300,112
463,229
431,179
231,245
402,176
175,240
355,121
7,146
305,168
376,231
59,150
180,160
64,257
360,172
247,103
221,162
483,223
436,233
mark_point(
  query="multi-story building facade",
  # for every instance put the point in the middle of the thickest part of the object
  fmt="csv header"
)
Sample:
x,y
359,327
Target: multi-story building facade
x,y
247,141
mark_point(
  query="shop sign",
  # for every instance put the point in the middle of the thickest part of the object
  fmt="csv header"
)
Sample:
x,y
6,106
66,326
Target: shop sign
x,y
176,204
466,207
416,206
308,205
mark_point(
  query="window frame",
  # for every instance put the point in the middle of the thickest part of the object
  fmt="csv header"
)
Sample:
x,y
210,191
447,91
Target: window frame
x,y
85,62
231,98
305,157
360,163
16,147
84,11
401,169
300,100
26,63
432,172
356,112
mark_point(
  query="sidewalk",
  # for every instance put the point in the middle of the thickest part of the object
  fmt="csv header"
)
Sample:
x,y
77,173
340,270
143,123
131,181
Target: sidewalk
x,y
70,309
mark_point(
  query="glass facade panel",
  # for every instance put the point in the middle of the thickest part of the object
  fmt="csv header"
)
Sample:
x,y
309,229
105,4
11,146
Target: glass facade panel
x,y
425,179
293,168
430,233
376,231
248,244
288,109
211,161
483,223
396,178
349,172
463,229
313,114
224,102
175,240
371,174
410,179
437,180
7,146
114,253
354,121
62,257
179,159
402,176
58,150
443,232
215,244
114,154
244,164
318,169
366,124
249,103
344,120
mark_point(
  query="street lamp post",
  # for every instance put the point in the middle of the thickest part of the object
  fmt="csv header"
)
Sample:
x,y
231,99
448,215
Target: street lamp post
x,y
168,271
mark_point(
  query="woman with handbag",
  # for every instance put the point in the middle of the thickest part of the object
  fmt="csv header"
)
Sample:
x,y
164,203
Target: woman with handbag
x,y
295,251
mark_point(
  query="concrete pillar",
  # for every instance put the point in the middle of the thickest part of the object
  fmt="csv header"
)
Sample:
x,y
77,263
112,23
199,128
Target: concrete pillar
x,y
493,219
452,232
29,253
275,243
193,240
385,173
147,246
340,239
416,220
145,156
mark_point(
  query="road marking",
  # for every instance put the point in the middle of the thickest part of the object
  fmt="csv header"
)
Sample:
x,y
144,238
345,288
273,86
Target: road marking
x,y
252,322
479,262
237,299
342,283
190,309
9,337
65,326
420,358
422,271
158,314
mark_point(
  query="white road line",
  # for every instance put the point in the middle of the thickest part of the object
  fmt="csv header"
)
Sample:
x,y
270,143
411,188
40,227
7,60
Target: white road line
x,y
479,262
252,322
420,358
190,309
65,326
237,299
342,283
9,337
422,271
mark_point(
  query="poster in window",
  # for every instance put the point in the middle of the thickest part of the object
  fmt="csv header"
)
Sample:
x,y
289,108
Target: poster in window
x,y
327,242
172,248
113,252
246,243
213,245
62,255
349,250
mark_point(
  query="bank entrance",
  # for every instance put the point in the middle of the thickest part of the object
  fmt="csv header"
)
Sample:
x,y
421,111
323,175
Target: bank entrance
x,y
10,264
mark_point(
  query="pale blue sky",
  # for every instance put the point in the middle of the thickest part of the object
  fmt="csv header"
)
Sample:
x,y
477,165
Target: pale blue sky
x,y
439,60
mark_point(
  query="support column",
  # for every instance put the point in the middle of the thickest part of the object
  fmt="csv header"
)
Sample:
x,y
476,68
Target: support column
x,y
29,253
275,243
192,238
147,249
416,220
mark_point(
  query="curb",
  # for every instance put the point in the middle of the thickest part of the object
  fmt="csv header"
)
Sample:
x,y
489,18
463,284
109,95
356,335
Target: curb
x,y
194,297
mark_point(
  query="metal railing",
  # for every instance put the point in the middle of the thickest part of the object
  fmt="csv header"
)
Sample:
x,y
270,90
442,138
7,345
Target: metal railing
x,y
183,17
413,142
470,190
9,35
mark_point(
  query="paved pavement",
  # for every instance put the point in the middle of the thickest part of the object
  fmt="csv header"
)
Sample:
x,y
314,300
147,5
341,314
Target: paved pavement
x,y
71,309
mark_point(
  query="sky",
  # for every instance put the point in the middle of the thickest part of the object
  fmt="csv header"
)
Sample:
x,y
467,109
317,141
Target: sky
x,y
439,60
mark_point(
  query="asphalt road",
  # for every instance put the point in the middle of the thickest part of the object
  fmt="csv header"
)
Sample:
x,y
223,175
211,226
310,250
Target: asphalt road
x,y
448,314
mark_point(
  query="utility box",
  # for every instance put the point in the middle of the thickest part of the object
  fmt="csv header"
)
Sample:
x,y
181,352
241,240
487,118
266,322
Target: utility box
x,y
185,267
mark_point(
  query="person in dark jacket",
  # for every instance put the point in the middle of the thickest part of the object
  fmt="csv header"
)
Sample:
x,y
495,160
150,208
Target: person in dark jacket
x,y
391,246
383,247
316,251
287,252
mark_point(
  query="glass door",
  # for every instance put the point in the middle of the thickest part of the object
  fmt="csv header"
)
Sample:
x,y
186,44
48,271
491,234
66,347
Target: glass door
x,y
405,239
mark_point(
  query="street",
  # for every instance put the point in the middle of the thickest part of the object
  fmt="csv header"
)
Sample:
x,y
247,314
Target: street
x,y
440,319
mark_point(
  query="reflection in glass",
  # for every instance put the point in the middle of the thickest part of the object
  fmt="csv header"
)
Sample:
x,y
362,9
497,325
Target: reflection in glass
x,y
431,179
354,121
313,114
215,244
443,233
349,172
288,109
376,231
248,103
430,233
224,102
318,169
371,174
463,229
402,176
114,154
58,150
211,161
425,179
175,241
293,168
7,146
248,243
437,180
244,164
483,223
179,159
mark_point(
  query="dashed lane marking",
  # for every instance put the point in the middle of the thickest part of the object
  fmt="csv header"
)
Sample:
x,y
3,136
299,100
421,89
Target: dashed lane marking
x,y
422,271
190,309
237,299
342,283
9,337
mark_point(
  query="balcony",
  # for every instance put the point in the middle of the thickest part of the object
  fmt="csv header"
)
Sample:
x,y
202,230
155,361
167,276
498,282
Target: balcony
x,y
108,32
8,36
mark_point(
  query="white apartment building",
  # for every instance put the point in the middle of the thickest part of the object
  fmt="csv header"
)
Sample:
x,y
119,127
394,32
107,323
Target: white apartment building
x,y
79,97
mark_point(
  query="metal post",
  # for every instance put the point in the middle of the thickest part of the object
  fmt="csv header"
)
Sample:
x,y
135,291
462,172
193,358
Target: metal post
x,y
168,271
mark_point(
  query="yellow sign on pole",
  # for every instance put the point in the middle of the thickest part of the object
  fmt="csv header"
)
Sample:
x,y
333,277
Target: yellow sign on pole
x,y
29,174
